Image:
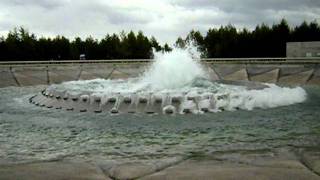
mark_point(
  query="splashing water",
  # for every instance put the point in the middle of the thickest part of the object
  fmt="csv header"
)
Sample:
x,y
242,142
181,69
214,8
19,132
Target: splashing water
x,y
179,73
173,70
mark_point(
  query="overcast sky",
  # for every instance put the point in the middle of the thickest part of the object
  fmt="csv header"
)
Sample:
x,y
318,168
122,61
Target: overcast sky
x,y
164,19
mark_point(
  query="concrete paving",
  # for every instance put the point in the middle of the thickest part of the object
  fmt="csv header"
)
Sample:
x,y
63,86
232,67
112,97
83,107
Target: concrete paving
x,y
211,169
312,160
212,74
224,70
6,78
315,79
84,75
266,77
188,169
52,171
59,74
98,70
296,79
30,76
116,74
254,70
133,69
238,75
292,69
284,74
221,166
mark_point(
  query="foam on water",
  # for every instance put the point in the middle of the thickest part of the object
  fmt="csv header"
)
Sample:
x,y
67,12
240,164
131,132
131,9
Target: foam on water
x,y
273,96
179,73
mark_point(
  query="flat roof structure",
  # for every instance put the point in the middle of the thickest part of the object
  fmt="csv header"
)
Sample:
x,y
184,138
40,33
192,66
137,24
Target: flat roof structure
x,y
303,49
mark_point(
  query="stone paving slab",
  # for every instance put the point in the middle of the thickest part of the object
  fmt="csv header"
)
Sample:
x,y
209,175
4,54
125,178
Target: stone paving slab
x,y
212,169
251,167
312,160
292,69
134,170
118,75
131,170
87,76
51,171
254,70
133,70
30,76
315,79
238,75
225,70
6,78
99,71
212,74
296,79
286,74
267,77
62,74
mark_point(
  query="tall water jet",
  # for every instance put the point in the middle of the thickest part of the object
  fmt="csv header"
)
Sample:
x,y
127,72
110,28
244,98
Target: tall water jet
x,y
173,70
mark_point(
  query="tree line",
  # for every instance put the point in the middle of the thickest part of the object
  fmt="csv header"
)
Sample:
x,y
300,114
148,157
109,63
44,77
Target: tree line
x,y
263,41
19,44
223,42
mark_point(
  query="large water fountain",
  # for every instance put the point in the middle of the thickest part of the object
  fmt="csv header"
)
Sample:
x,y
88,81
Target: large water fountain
x,y
266,141
175,83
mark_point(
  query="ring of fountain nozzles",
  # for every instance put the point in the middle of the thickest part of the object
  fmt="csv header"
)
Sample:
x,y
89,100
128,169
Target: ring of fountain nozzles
x,y
115,103
148,103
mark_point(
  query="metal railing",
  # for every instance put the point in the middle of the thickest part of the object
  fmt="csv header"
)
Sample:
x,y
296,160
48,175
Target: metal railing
x,y
70,62
301,60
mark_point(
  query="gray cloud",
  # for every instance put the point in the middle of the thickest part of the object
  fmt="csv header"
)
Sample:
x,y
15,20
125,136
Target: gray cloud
x,y
47,4
249,5
165,19
249,13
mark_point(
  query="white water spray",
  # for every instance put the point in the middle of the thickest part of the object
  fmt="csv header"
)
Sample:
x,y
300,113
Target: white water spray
x,y
178,72
173,70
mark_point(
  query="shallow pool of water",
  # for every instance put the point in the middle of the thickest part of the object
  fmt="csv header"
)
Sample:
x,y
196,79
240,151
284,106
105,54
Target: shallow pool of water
x,y
29,133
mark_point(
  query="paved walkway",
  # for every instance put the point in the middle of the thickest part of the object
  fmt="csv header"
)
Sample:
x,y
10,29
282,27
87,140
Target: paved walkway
x,y
247,167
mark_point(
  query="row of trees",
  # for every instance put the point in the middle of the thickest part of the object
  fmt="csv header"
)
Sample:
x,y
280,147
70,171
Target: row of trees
x,y
263,41
226,41
22,45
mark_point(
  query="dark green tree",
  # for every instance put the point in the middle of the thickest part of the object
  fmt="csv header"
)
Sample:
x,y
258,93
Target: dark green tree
x,y
166,48
226,41
155,44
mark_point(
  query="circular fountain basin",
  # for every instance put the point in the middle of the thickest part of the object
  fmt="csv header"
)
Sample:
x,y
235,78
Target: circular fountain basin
x,y
151,102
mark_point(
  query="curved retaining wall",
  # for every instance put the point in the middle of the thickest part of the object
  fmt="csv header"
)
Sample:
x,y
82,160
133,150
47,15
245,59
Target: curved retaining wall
x,y
281,71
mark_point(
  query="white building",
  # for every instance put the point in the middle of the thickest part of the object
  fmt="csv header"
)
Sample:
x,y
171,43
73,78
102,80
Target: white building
x,y
82,57
303,49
